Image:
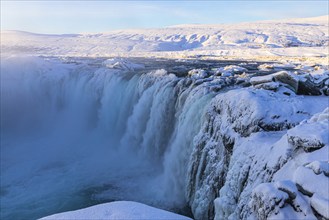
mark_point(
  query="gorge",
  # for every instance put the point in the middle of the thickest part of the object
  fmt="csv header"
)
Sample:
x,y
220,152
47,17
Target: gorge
x,y
205,139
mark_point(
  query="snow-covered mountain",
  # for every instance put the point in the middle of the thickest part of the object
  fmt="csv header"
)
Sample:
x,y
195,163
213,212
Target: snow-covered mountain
x,y
295,37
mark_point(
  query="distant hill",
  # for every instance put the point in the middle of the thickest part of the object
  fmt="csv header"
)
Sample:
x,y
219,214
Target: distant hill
x,y
301,36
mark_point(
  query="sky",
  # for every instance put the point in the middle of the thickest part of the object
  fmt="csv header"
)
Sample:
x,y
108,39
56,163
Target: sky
x,y
56,17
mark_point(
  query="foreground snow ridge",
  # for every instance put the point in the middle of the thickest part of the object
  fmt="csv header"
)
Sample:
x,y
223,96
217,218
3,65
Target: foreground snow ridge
x,y
122,210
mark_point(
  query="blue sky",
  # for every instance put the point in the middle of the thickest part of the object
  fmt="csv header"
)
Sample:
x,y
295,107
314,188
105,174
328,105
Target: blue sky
x,y
100,16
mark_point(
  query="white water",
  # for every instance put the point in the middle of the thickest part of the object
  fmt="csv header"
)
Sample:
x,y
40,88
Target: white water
x,y
75,134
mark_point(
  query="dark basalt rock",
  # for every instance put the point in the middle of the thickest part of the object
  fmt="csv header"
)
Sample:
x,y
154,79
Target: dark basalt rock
x,y
288,79
302,85
308,87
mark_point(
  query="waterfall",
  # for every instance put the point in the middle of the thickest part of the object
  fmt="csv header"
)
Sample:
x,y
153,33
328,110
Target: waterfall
x,y
79,133
76,132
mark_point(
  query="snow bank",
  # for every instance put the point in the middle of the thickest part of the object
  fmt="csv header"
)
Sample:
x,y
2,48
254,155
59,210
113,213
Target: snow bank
x,y
118,210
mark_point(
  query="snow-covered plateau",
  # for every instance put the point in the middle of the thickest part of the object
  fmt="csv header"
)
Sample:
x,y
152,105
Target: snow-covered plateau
x,y
132,136
303,39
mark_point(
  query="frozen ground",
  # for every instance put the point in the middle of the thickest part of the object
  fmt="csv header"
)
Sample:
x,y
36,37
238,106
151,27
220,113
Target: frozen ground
x,y
295,39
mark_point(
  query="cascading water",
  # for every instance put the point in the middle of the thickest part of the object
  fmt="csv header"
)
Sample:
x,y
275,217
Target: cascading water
x,y
77,133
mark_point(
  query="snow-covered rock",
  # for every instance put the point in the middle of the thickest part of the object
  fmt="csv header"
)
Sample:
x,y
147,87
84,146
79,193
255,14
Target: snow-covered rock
x,y
229,159
289,79
279,200
198,73
304,136
319,167
320,204
300,84
305,178
230,70
308,180
296,198
120,63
